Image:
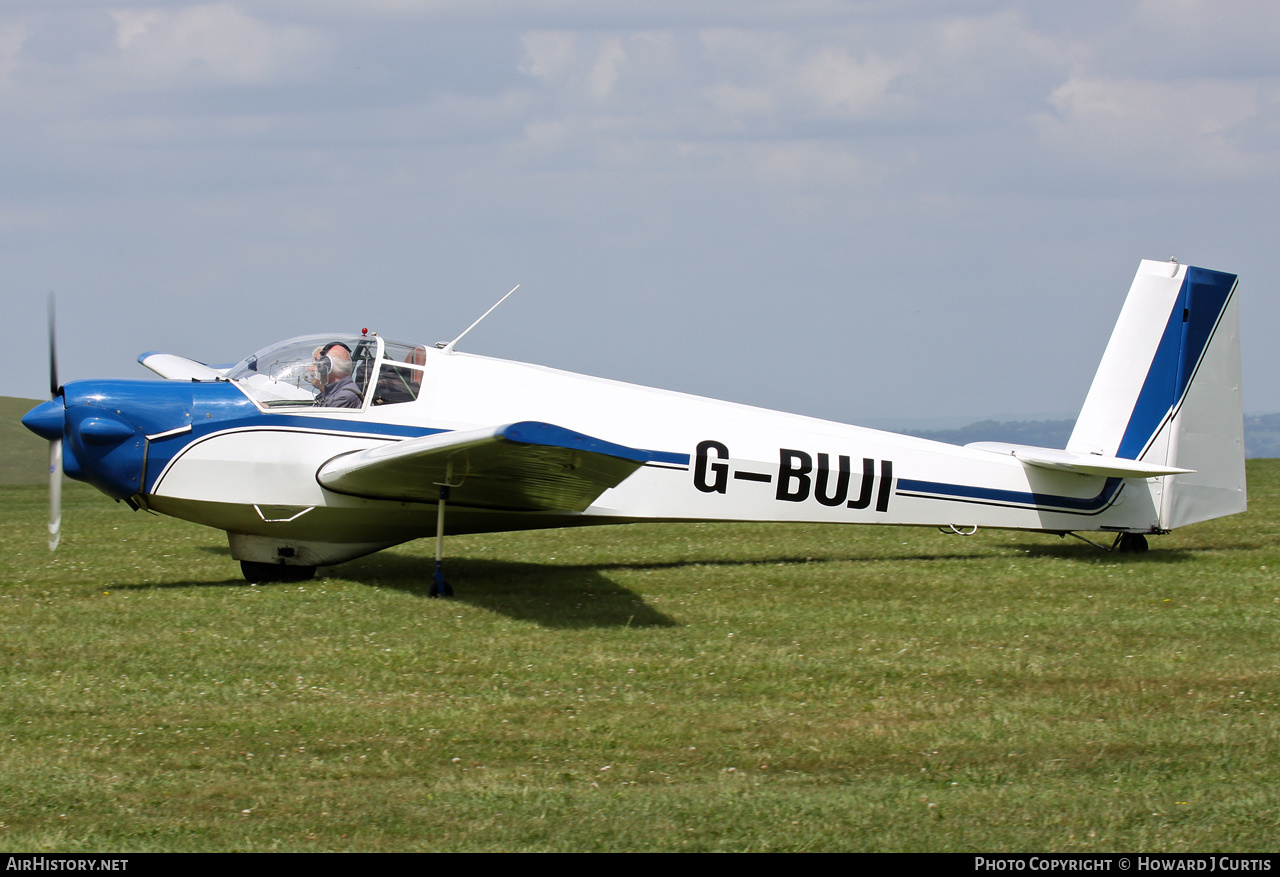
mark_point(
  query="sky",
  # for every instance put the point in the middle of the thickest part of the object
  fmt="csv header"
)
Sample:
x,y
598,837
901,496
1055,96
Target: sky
x,y
892,213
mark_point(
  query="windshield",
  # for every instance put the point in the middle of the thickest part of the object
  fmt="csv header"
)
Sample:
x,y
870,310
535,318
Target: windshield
x,y
330,371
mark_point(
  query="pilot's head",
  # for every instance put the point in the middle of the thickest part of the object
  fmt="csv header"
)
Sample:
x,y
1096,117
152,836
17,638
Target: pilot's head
x,y
332,363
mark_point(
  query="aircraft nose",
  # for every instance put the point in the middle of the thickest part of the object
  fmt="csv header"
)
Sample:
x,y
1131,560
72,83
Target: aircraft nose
x,y
109,449
47,419
105,426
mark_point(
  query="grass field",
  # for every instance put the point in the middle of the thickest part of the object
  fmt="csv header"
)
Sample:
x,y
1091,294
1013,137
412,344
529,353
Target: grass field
x,y
694,687
24,456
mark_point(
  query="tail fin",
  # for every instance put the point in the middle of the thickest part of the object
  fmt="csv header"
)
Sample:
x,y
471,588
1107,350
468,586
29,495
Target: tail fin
x,y
1168,391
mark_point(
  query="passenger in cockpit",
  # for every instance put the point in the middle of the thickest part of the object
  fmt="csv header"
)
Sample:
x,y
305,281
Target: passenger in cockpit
x,y
332,377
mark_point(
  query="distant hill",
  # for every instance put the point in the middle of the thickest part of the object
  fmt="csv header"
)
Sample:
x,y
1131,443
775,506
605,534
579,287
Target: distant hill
x,y
24,457
1041,433
1261,434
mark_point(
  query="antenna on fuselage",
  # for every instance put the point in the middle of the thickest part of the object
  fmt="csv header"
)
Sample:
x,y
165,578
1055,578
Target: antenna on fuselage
x,y
448,348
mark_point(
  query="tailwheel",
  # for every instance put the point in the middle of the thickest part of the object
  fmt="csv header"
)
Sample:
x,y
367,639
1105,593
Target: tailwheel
x,y
1131,543
256,573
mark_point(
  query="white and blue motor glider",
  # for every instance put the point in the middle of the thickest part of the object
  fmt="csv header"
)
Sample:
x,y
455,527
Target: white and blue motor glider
x,y
447,442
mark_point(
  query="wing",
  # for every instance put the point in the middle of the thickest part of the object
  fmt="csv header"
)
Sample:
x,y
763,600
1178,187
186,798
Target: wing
x,y
527,466
179,368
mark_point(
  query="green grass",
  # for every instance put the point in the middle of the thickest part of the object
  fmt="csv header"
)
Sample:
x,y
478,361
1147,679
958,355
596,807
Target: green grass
x,y
24,456
692,687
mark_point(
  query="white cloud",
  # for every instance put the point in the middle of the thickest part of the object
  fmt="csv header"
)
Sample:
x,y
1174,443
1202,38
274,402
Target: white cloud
x,y
804,164
841,85
741,102
163,49
1185,130
12,36
1199,37
724,81
604,75
548,53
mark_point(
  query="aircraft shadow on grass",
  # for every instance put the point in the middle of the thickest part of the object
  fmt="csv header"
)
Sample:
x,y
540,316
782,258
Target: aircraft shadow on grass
x,y
550,596
583,596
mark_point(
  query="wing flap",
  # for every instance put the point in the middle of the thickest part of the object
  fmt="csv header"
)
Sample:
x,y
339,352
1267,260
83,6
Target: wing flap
x,y
527,466
1083,464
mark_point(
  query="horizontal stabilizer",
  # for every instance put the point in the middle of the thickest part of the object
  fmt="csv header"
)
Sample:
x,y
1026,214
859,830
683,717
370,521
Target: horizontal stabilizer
x,y
1084,464
525,466
179,368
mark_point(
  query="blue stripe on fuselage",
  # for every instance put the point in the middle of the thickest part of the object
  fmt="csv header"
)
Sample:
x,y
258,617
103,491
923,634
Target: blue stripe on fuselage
x,y
220,407
991,496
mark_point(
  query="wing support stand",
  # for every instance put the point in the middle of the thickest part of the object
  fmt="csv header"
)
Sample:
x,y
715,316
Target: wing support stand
x,y
440,587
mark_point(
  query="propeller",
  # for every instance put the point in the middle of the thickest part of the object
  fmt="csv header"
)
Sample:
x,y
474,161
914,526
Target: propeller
x,y
55,444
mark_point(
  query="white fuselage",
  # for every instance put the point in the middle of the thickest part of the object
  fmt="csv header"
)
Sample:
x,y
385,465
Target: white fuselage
x,y
720,461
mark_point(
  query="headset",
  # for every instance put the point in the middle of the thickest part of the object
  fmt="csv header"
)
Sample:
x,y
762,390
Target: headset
x,y
324,365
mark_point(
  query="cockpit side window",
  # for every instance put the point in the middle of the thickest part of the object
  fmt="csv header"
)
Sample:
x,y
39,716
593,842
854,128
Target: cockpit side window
x,y
400,378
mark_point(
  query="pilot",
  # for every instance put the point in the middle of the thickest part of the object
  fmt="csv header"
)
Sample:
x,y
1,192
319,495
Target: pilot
x,y
332,376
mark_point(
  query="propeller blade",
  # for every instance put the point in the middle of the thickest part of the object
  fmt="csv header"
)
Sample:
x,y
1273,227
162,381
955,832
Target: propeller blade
x,y
55,445
55,493
53,353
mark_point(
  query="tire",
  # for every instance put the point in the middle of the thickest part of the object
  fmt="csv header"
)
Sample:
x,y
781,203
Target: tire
x,y
1132,543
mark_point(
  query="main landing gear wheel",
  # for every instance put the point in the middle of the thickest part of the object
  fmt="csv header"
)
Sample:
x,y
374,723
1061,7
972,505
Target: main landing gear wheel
x,y
1131,543
255,572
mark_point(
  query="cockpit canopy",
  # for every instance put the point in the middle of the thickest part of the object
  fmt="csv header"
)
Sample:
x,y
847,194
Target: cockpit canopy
x,y
294,372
